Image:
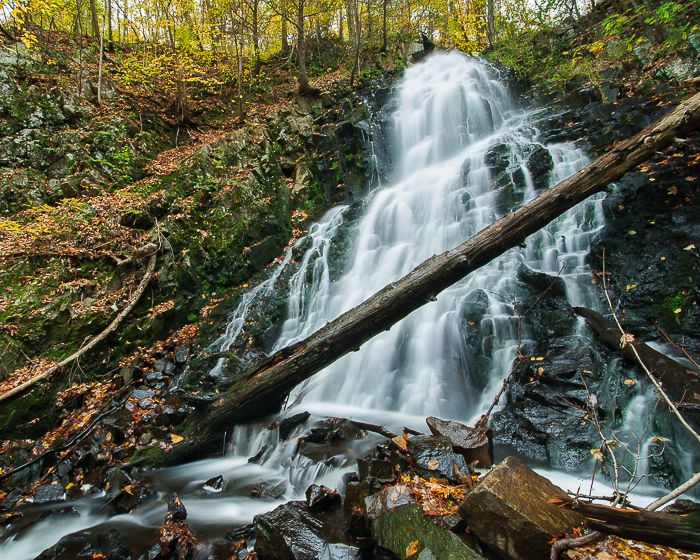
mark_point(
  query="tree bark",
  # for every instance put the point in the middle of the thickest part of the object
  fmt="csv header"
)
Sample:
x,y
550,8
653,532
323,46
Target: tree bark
x,y
278,374
682,383
669,529
93,19
302,76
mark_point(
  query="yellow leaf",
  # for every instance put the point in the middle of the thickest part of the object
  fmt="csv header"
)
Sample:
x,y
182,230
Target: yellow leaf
x,y
626,339
630,287
630,382
689,247
175,438
540,370
677,311
597,454
412,548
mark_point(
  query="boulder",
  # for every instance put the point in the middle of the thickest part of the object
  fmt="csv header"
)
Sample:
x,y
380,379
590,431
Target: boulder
x,y
293,532
407,533
434,457
510,512
474,444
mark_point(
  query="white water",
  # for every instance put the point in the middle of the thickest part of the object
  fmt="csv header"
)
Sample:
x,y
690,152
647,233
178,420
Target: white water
x,y
450,110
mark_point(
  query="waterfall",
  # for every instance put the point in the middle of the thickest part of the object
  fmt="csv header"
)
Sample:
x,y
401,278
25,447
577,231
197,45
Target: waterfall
x,y
456,135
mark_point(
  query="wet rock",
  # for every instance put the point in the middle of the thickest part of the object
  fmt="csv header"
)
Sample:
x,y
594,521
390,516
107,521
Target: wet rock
x,y
111,545
333,429
71,547
338,551
539,164
11,499
214,485
376,470
388,499
129,497
510,512
433,455
545,400
176,508
291,532
319,497
474,444
406,529
288,424
258,457
49,493
182,354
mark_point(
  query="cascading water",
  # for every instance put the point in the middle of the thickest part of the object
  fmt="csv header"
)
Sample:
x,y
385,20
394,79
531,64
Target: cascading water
x,y
452,114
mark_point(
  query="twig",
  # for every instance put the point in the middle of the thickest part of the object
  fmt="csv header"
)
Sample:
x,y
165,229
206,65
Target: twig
x,y
651,377
565,544
687,485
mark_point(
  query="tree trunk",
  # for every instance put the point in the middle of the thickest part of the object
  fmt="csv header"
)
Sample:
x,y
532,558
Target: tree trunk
x,y
358,41
285,35
669,529
302,76
384,43
682,383
272,379
490,29
93,19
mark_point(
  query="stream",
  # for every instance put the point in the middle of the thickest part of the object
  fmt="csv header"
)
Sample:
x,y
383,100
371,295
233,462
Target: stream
x,y
449,118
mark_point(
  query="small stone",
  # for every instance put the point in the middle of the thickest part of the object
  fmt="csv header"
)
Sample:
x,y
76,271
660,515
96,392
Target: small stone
x,y
176,508
182,354
49,493
319,497
214,485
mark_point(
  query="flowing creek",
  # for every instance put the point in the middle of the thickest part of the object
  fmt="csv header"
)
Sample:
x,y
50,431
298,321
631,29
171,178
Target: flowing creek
x,y
449,113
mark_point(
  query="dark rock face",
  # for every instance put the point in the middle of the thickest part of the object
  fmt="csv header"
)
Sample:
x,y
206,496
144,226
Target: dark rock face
x,y
545,403
473,444
434,456
292,532
509,512
405,527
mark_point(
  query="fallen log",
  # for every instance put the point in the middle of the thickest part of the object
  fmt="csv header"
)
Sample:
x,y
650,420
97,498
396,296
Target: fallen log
x,y
682,383
670,529
278,374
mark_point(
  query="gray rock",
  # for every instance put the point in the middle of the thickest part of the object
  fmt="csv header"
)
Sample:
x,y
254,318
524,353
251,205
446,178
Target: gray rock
x,y
49,493
474,444
434,456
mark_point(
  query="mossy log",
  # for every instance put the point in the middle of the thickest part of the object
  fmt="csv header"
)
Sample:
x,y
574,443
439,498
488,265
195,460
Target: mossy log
x,y
278,374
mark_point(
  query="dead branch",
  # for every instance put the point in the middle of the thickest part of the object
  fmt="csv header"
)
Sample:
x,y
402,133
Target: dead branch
x,y
150,268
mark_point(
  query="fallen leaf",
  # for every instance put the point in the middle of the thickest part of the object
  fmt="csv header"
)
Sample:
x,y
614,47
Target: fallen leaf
x,y
175,438
630,382
412,548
